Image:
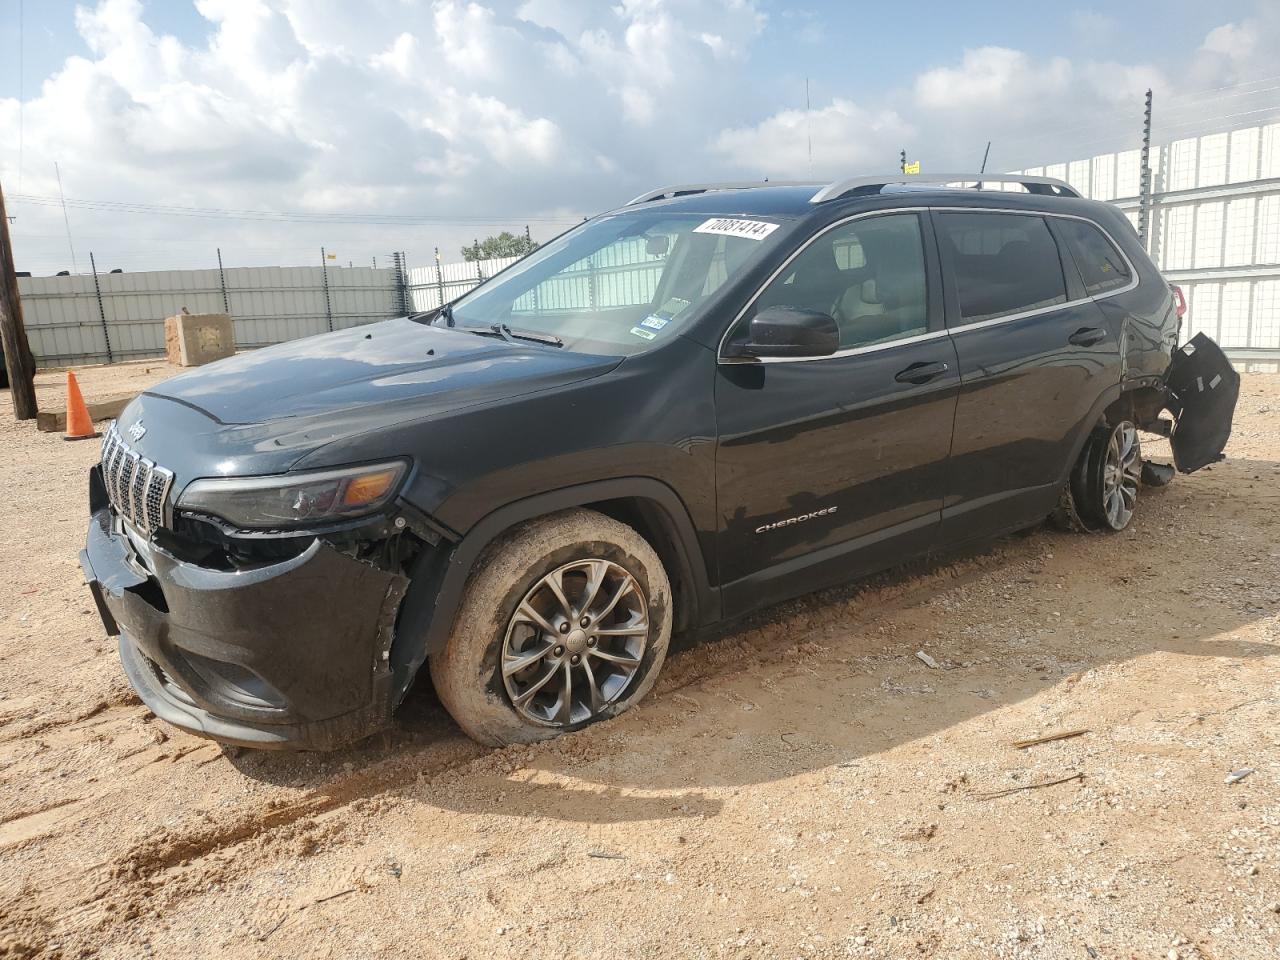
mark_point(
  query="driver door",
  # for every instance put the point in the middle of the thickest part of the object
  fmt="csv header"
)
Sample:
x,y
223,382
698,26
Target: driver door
x,y
831,467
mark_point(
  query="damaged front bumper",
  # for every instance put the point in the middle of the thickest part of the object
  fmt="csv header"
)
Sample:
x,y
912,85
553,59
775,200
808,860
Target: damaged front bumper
x,y
288,654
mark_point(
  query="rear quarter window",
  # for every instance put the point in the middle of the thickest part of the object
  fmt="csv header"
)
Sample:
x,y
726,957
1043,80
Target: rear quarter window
x,y
1102,267
1003,264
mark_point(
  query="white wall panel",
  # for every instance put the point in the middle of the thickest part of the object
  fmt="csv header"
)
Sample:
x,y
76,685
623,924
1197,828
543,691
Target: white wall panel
x,y
1212,169
1234,314
1264,332
268,305
1243,162
1238,248
1208,234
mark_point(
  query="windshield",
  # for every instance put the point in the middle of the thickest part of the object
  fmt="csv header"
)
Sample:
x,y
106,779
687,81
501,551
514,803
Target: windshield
x,y
618,284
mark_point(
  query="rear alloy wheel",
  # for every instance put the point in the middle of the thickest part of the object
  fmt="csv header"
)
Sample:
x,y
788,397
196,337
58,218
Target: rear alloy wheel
x,y
565,622
1107,478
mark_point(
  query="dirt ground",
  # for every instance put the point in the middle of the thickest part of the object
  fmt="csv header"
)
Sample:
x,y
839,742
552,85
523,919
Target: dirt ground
x,y
801,785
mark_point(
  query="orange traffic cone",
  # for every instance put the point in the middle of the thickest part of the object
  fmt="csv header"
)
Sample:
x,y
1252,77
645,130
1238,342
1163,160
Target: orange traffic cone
x,y
79,423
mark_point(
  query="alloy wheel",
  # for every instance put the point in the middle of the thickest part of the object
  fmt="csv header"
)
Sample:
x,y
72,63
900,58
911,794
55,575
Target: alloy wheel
x,y
1121,474
575,642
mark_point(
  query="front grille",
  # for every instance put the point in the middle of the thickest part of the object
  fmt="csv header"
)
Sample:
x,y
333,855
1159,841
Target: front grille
x,y
137,488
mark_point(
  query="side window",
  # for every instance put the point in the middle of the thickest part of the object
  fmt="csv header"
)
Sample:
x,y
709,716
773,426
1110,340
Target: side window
x,y
1101,266
1004,263
868,274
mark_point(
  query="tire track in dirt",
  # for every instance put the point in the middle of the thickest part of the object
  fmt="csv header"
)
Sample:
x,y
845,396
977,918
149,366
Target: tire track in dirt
x,y
889,594
173,865
26,825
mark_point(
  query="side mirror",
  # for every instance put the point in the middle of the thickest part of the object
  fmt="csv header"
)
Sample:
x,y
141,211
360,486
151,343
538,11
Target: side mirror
x,y
789,332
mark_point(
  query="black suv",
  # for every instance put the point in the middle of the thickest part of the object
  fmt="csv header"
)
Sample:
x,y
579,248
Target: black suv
x,y
713,398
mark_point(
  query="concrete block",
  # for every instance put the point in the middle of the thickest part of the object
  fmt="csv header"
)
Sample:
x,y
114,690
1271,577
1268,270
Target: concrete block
x,y
193,339
55,421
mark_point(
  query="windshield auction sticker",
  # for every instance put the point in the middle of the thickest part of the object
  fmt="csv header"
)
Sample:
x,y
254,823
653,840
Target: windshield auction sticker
x,y
725,226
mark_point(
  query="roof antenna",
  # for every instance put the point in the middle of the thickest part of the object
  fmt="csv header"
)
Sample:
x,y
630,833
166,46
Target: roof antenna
x,y
985,153
66,219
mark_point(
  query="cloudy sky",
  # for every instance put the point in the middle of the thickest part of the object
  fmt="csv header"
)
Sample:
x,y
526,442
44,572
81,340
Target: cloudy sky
x,y
271,127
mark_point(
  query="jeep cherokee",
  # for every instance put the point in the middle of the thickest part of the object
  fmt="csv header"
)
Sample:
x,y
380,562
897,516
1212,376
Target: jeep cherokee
x,y
711,399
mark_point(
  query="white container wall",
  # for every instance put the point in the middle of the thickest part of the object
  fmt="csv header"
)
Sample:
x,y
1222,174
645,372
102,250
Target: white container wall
x,y
1214,227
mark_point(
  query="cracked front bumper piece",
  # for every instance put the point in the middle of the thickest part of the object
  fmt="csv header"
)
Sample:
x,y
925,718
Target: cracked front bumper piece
x,y
287,655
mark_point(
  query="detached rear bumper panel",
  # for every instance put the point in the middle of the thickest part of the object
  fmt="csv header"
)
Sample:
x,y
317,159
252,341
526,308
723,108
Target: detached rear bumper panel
x,y
289,654
1203,389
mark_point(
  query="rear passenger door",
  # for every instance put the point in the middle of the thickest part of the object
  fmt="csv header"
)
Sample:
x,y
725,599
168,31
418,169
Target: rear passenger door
x,y
1035,353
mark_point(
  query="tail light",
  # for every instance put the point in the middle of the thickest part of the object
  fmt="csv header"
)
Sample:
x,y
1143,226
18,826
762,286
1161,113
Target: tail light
x,y
1179,300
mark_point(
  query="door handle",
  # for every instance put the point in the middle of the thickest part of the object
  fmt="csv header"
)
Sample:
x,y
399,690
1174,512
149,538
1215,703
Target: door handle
x,y
1087,336
921,372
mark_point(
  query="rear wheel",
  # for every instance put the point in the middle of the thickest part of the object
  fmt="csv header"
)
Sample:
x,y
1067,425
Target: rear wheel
x,y
1105,482
566,622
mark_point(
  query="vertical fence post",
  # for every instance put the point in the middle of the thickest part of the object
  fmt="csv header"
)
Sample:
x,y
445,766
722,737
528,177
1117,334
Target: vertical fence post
x,y
324,278
102,313
400,261
439,278
222,282
1144,174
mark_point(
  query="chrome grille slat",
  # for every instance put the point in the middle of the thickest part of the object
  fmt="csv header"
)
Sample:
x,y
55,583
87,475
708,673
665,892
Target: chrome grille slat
x,y
110,453
137,487
141,470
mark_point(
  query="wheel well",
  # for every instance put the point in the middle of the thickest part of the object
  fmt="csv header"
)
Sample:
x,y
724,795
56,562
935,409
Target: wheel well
x,y
1141,406
653,523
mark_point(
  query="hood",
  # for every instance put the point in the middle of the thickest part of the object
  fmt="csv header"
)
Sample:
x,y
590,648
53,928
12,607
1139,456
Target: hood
x,y
392,362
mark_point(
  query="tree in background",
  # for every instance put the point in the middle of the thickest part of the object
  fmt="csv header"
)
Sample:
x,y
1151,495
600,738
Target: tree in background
x,y
503,245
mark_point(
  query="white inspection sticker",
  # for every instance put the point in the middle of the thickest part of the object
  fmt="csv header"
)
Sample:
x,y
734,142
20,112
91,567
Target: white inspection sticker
x,y
751,229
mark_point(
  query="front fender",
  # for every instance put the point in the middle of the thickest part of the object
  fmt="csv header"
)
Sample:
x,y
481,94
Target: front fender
x,y
440,576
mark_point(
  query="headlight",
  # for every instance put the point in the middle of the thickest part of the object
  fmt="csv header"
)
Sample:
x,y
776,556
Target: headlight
x,y
293,500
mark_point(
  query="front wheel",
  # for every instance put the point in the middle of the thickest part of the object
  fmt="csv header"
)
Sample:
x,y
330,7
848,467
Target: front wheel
x,y
1105,483
566,621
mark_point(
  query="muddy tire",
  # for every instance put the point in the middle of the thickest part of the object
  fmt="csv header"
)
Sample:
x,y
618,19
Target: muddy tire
x,y
565,621
1107,477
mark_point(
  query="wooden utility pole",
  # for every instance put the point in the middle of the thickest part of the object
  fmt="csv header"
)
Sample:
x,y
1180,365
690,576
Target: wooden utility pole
x,y
18,361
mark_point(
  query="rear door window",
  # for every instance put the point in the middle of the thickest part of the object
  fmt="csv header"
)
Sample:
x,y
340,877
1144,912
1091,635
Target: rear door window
x,y
1102,267
1004,264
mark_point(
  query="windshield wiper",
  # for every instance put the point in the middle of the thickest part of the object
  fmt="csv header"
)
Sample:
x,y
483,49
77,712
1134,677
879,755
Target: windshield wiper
x,y
510,335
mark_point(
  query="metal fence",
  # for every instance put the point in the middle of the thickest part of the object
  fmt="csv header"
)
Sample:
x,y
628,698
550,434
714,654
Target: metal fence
x,y
120,316
1214,228
431,287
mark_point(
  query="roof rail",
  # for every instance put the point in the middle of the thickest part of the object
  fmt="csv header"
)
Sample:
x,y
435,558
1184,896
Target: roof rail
x,y
691,188
1047,186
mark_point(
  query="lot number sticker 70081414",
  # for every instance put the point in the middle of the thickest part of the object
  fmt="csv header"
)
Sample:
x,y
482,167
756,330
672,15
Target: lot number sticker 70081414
x,y
729,227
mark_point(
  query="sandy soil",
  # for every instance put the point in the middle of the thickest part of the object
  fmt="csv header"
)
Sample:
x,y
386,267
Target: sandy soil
x,y
800,786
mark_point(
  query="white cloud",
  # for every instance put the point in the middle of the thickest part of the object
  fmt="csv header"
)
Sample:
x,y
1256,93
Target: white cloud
x,y
451,109
543,108
992,76
1232,40
845,137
